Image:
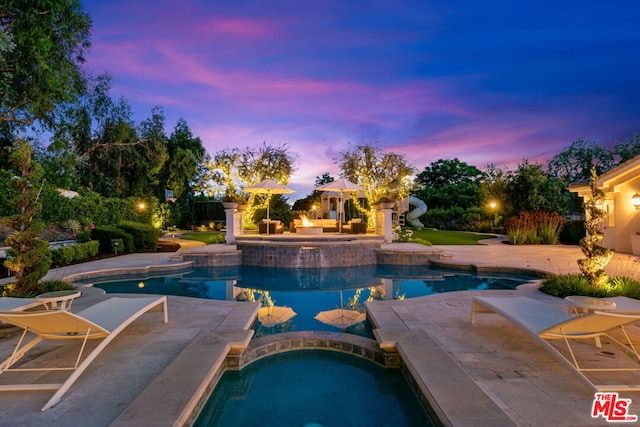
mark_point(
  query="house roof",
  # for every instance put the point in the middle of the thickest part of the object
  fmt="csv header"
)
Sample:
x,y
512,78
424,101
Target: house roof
x,y
610,180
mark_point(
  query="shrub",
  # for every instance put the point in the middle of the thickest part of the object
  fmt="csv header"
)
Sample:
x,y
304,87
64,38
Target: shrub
x,y
562,285
80,252
55,285
534,227
117,245
217,239
63,255
145,237
572,232
93,248
104,235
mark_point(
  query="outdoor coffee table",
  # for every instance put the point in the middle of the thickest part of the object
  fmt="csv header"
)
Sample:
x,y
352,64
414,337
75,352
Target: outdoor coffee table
x,y
58,300
579,304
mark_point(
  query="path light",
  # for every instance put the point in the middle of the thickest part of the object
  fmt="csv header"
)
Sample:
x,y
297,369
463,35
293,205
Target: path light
x,y
493,206
635,201
141,206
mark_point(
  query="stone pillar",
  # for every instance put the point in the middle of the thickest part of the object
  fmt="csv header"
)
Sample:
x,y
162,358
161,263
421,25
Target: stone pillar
x,y
383,224
388,288
234,225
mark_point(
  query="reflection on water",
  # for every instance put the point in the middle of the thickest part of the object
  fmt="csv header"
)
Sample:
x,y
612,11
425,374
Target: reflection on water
x,y
310,291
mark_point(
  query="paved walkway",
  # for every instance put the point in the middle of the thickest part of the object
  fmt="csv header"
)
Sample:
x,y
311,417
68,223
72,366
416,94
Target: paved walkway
x,y
148,375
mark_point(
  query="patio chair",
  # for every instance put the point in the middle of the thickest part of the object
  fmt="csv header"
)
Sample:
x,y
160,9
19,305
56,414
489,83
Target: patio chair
x,y
103,321
17,304
543,323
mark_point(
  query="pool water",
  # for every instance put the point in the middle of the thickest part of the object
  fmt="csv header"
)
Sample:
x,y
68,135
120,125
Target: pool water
x,y
311,291
314,388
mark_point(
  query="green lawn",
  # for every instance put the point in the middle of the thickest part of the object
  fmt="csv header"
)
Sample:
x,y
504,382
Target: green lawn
x,y
445,237
436,237
206,237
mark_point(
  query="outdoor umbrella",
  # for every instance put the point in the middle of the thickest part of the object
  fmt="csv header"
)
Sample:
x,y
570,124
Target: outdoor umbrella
x,y
268,187
340,317
274,315
341,186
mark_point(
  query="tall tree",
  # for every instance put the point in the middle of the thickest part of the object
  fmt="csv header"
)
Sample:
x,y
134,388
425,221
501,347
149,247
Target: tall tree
x,y
531,189
267,162
383,175
574,163
110,154
628,149
29,257
185,153
447,183
42,47
307,203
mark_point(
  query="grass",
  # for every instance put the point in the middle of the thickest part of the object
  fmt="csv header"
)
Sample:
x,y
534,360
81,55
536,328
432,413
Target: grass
x,y
446,237
206,237
436,237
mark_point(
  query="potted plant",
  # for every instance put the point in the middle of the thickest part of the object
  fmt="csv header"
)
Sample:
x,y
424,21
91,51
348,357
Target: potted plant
x,y
232,200
384,202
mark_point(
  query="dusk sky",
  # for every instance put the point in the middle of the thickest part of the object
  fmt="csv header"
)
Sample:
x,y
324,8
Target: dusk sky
x,y
486,81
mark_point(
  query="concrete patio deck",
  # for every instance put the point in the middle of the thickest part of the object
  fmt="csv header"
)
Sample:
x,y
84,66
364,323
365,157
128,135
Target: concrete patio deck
x,y
488,374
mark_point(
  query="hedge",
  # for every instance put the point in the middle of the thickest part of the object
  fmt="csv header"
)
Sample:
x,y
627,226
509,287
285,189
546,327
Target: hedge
x,y
145,236
104,235
67,254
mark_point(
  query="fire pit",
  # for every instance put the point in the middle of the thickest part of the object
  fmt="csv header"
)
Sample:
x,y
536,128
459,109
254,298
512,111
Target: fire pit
x,y
308,227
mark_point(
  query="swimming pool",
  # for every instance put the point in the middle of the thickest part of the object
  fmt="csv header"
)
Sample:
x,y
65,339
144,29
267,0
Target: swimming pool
x,y
309,292
314,388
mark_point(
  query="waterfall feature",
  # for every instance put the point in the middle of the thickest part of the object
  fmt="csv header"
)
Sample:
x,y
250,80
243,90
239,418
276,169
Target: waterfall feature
x,y
309,257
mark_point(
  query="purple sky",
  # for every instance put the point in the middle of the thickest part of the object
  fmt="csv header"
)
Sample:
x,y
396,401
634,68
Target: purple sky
x,y
486,82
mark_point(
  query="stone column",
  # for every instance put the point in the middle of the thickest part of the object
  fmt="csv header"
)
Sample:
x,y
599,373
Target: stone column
x,y
234,225
384,224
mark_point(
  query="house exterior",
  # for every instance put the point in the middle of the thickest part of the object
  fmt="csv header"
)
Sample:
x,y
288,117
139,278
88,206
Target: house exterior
x,y
622,221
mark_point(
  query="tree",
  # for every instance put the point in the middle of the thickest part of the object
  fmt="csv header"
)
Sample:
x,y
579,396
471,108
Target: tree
x,y
597,256
181,172
531,189
382,175
628,149
574,163
232,167
102,143
448,183
185,153
307,203
267,162
224,171
29,257
495,186
42,46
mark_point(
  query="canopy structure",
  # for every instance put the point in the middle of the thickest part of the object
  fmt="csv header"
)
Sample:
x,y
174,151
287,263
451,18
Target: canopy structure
x,y
341,186
268,187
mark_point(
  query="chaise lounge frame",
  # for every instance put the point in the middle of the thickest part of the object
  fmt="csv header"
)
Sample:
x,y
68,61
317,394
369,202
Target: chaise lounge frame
x,y
104,321
543,322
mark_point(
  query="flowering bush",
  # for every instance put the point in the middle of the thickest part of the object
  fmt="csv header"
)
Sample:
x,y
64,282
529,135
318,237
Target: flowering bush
x,y
398,234
534,228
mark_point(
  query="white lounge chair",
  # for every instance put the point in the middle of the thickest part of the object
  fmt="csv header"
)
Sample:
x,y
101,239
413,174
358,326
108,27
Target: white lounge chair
x,y
104,321
17,304
544,322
